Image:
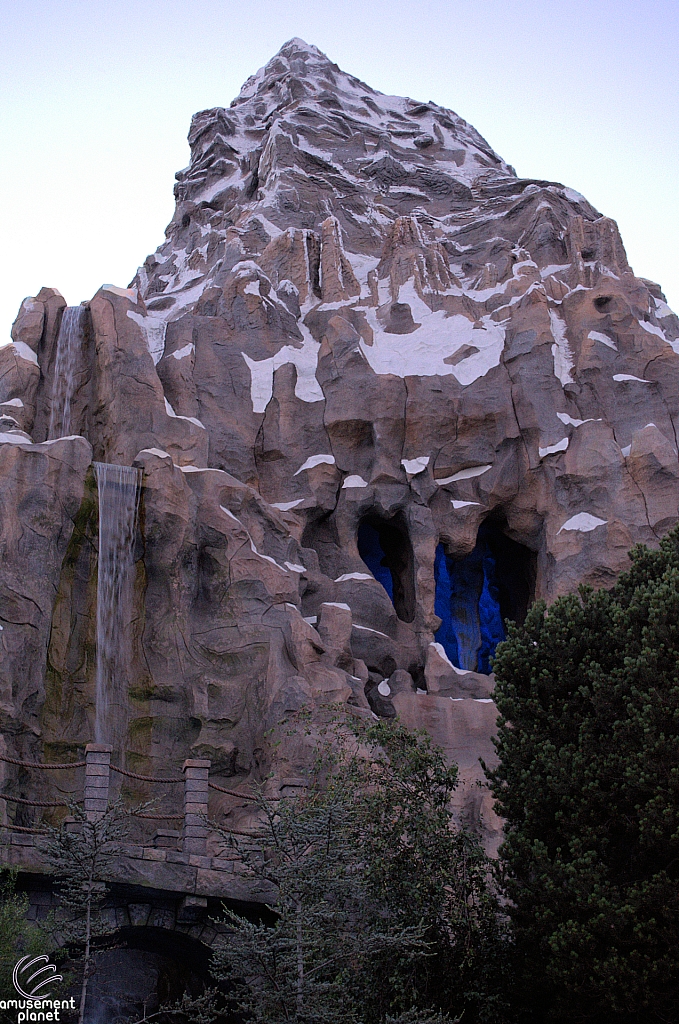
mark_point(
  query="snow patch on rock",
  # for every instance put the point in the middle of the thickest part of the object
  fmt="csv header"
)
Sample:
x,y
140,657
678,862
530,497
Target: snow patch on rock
x,y
552,449
305,360
415,466
583,522
603,338
24,352
561,350
154,329
464,474
316,460
285,506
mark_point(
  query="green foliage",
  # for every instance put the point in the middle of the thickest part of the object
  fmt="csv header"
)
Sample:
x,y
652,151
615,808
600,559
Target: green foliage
x,y
422,867
18,937
81,853
382,907
211,1007
588,694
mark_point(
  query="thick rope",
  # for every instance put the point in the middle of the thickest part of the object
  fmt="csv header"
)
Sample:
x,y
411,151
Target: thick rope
x,y
33,803
142,778
120,771
230,792
158,817
34,764
24,828
239,832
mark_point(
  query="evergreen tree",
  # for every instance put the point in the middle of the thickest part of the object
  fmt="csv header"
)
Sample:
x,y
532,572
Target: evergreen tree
x,y
382,907
423,867
18,937
81,853
588,782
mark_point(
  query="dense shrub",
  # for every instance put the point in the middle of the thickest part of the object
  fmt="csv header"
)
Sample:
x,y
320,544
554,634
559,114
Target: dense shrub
x,y
588,693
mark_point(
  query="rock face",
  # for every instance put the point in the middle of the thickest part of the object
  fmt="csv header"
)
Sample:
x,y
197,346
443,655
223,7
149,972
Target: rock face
x,y
383,392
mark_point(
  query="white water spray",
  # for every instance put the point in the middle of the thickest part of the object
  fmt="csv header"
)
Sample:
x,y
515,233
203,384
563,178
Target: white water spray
x,y
119,489
67,363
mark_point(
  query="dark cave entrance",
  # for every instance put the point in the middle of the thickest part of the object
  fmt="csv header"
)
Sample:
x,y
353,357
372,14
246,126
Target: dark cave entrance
x,y
384,546
475,594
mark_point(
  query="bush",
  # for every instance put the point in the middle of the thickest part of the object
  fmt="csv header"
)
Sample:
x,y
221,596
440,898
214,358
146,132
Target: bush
x,y
18,937
588,782
383,908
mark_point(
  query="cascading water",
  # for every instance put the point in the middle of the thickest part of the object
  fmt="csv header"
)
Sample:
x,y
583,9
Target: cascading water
x,y
119,488
69,349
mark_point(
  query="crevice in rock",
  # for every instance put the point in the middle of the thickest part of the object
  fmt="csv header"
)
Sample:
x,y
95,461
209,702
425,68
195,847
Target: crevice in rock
x,y
662,398
385,547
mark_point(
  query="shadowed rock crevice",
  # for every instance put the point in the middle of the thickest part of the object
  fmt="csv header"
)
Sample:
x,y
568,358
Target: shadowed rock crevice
x,y
385,547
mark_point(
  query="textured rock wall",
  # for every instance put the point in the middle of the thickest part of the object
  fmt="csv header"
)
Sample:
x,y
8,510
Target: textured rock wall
x,y
360,315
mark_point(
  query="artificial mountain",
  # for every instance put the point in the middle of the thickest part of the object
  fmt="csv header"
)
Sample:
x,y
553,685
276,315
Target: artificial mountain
x,y
383,393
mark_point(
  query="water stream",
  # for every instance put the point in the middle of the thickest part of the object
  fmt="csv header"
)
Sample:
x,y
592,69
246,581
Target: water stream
x,y
119,489
69,349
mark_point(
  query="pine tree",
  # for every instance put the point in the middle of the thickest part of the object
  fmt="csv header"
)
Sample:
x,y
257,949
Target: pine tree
x,y
588,782
382,907
81,853
424,867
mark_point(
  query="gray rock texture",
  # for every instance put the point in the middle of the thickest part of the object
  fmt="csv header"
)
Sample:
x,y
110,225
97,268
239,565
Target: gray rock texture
x,y
360,314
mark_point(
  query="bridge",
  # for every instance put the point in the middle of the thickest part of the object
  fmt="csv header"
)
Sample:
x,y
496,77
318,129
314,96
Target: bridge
x,y
165,888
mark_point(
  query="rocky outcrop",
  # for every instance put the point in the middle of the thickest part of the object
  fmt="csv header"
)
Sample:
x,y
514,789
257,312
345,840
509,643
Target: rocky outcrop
x,y
383,393
44,488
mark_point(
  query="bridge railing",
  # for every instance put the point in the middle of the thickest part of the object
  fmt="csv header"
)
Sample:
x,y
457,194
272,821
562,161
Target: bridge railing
x,y
195,780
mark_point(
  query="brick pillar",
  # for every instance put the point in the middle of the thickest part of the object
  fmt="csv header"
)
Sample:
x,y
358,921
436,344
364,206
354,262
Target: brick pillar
x,y
195,805
97,770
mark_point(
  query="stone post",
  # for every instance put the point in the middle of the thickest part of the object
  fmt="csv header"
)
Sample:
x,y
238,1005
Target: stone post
x,y
97,771
195,806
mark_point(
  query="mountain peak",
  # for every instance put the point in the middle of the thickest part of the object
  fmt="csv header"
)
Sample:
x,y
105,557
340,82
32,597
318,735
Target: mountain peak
x,y
305,142
301,118
298,69
300,46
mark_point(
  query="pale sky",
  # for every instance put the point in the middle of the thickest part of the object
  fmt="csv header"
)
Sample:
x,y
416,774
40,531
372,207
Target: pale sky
x,y
97,98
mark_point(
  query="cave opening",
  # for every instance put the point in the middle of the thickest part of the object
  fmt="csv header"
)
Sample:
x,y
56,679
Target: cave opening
x,y
384,545
476,594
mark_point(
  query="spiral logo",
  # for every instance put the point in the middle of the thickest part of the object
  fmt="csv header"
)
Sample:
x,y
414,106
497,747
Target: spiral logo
x,y
31,987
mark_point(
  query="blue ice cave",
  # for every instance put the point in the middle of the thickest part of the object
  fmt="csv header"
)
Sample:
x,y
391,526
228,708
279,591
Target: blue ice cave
x,y
373,554
475,594
384,546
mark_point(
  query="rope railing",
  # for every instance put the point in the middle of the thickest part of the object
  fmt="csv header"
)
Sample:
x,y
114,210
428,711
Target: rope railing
x,y
141,778
191,819
240,832
26,828
120,771
230,792
160,817
98,765
36,764
33,803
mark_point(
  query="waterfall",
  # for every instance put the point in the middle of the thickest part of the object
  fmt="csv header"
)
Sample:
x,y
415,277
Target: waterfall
x,y
119,489
69,348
